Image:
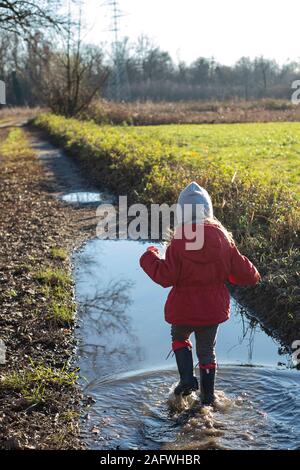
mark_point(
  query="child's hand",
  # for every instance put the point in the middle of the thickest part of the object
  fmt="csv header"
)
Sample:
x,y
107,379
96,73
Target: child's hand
x,y
154,249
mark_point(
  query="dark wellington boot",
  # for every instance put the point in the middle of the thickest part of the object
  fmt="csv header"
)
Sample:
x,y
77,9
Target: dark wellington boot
x,y
207,381
188,382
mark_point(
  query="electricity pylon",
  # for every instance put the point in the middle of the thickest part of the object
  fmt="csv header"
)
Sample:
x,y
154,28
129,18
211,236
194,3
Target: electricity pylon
x,y
118,84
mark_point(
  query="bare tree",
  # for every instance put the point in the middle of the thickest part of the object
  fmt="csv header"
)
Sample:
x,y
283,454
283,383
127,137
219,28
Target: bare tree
x,y
23,16
244,69
73,75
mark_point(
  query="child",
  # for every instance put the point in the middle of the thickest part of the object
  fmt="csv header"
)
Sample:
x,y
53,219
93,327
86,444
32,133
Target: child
x,y
199,300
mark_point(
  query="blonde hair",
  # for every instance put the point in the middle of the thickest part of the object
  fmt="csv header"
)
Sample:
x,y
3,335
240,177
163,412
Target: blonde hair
x,y
211,220
215,221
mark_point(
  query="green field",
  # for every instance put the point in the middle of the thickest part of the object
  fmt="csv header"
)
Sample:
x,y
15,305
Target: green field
x,y
155,161
269,150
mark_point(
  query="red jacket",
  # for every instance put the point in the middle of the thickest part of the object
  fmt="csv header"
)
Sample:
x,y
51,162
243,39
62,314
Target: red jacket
x,y
199,295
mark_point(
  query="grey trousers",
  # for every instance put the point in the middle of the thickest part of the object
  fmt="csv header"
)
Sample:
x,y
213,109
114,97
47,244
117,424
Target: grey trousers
x,y
205,340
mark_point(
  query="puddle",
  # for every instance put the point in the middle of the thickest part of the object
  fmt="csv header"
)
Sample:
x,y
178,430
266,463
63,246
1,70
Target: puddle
x,y
84,197
123,345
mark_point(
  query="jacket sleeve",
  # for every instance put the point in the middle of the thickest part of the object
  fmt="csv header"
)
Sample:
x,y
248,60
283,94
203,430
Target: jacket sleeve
x,y
242,272
161,271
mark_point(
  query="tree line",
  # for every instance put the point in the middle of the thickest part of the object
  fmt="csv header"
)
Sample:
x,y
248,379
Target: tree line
x,y
44,61
150,73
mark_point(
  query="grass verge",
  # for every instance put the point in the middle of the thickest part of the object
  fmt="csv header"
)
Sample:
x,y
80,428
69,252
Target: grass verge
x,y
39,399
36,382
57,286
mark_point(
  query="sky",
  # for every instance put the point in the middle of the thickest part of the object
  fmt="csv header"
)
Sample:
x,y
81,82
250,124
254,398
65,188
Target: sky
x,y
187,29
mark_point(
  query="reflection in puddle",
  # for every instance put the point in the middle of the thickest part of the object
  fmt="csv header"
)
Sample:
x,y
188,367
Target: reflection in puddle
x,y
107,327
83,197
123,345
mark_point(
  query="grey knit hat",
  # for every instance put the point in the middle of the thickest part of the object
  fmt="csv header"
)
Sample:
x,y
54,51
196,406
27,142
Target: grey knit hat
x,y
191,196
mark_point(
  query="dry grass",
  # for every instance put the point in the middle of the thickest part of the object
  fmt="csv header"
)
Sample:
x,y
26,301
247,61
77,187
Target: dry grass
x,y
11,114
192,112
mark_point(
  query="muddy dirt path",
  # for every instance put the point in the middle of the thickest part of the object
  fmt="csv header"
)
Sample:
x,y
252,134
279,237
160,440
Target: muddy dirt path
x,y
67,184
39,232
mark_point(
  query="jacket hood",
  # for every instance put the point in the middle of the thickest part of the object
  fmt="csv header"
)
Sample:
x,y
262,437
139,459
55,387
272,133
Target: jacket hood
x,y
214,243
